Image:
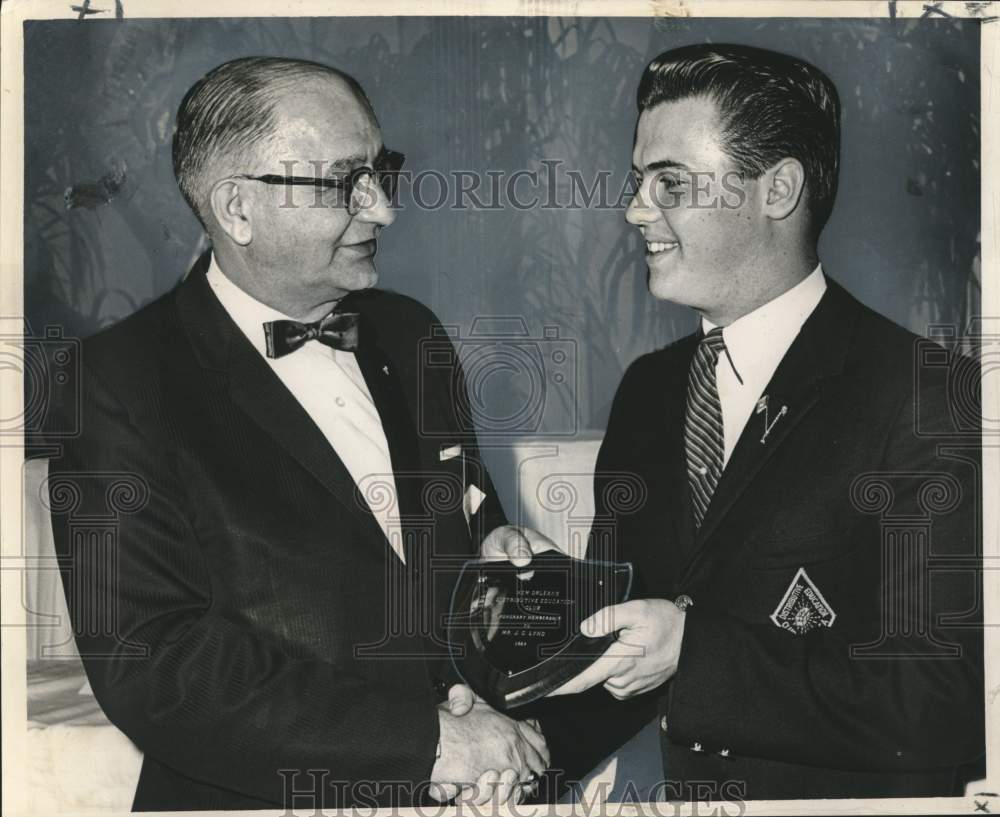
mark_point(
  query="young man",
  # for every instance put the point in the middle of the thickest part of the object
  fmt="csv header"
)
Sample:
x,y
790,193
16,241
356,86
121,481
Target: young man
x,y
807,616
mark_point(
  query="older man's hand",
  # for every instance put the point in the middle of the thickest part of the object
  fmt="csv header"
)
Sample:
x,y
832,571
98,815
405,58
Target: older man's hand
x,y
461,699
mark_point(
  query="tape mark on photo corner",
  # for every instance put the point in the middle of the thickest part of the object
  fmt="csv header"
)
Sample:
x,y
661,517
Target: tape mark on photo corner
x,y
977,9
85,10
973,9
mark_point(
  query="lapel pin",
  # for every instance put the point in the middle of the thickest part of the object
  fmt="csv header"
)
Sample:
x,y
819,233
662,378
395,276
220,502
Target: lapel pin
x,y
762,406
385,370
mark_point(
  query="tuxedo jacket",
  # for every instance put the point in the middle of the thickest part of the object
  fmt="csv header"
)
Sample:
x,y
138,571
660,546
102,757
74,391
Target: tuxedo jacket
x,y
240,613
833,646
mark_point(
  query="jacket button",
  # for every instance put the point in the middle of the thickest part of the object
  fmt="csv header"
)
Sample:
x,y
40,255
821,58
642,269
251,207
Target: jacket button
x,y
441,687
663,724
683,601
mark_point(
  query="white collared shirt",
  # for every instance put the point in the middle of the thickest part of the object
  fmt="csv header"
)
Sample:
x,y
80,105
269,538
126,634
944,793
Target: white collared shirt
x,y
756,344
329,385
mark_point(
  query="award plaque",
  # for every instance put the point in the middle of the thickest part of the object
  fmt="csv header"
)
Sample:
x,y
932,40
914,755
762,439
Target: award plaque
x,y
515,632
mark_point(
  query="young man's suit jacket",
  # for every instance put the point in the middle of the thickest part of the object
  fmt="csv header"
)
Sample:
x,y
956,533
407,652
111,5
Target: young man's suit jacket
x,y
869,484
238,608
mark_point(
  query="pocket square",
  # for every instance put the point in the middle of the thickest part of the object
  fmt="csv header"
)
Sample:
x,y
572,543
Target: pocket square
x,y
449,452
473,499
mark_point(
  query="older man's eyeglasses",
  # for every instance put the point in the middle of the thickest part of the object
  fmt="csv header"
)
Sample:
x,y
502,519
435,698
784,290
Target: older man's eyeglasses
x,y
351,189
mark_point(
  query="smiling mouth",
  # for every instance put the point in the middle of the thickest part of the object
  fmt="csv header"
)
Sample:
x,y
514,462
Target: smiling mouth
x,y
657,247
363,248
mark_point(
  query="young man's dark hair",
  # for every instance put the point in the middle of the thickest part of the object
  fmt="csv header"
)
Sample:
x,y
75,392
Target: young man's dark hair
x,y
772,106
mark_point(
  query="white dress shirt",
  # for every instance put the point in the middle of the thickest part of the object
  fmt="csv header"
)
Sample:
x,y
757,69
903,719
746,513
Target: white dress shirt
x,y
756,344
329,385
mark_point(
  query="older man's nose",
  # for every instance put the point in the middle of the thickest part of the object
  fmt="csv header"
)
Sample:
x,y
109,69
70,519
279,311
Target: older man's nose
x,y
375,205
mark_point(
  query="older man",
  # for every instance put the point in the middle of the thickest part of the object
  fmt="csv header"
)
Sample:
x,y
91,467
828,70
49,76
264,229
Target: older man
x,y
807,613
264,621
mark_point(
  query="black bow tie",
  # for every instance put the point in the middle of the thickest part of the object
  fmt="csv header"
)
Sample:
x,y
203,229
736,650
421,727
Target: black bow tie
x,y
338,330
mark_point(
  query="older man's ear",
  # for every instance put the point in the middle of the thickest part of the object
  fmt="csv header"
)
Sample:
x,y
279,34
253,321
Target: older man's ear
x,y
231,211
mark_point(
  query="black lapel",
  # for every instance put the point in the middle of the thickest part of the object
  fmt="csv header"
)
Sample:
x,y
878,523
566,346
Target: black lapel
x,y
681,523
386,388
814,356
256,389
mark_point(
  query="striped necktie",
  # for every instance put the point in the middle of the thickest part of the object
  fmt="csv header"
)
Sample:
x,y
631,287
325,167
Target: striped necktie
x,y
703,435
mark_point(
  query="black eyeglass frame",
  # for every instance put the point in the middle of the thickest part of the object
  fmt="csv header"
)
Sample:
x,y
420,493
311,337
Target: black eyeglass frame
x,y
385,169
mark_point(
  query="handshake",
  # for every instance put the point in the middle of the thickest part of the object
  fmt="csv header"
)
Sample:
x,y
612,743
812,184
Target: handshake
x,y
486,756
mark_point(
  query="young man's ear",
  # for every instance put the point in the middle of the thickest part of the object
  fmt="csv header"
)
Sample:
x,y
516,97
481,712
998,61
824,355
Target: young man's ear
x,y
231,210
783,185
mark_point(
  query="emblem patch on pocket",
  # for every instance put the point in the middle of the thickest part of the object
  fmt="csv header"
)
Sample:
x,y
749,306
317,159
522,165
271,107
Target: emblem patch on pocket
x,y
803,607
